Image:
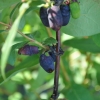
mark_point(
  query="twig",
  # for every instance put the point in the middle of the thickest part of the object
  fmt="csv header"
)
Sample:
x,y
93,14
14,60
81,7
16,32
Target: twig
x,y
4,24
28,38
32,40
57,66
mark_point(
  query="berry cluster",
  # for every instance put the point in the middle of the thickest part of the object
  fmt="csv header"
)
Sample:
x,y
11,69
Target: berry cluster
x,y
55,16
46,62
59,14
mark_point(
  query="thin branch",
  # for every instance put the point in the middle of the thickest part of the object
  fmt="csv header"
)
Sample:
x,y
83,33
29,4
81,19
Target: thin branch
x,y
57,67
4,24
32,40
28,38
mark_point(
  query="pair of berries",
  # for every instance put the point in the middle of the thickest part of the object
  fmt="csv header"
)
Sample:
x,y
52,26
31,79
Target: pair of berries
x,y
46,62
59,15
55,16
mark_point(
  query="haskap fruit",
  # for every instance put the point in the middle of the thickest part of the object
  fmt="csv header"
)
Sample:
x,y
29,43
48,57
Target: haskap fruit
x,y
75,9
47,63
55,17
44,16
65,11
28,50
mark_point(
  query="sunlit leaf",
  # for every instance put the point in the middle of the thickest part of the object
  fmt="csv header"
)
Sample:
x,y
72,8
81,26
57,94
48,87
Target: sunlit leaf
x,y
78,92
12,12
83,44
88,23
10,39
96,39
27,63
50,41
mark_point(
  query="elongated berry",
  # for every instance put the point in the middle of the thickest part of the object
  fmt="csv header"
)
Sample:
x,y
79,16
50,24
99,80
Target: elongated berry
x,y
55,17
47,63
75,9
44,16
28,50
65,11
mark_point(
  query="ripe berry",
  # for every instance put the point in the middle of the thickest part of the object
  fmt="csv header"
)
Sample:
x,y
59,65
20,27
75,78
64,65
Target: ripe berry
x,y
55,17
28,50
65,14
44,16
47,63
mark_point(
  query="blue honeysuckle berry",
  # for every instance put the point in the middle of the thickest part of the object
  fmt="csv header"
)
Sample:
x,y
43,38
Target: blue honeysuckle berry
x,y
28,50
44,16
34,49
55,17
47,63
65,10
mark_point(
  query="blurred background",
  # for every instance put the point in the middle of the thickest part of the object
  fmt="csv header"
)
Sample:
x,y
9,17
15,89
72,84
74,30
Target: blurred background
x,y
26,80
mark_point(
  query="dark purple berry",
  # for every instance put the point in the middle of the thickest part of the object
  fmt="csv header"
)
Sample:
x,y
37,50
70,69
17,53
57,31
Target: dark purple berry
x,y
44,16
28,50
24,50
55,17
47,63
34,49
65,14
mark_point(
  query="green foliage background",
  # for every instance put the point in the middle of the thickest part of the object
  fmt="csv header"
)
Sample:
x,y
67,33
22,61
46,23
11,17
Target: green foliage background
x,y
80,64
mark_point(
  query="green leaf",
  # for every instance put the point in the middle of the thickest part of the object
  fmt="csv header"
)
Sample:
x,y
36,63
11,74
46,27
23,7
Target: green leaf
x,y
50,41
40,78
27,63
22,23
36,2
83,44
4,14
88,23
77,92
12,12
96,39
8,86
10,38
2,31
7,3
19,45
12,57
96,75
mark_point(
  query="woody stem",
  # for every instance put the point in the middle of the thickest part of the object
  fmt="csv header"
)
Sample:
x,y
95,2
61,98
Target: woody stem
x,y
57,66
